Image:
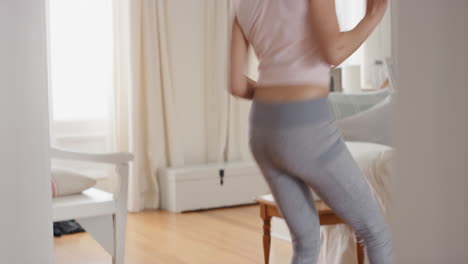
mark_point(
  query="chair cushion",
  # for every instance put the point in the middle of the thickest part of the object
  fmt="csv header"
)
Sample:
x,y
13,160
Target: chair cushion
x,y
89,203
66,182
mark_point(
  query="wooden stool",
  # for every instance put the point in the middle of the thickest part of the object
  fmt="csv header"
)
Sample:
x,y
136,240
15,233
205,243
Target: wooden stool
x,y
269,209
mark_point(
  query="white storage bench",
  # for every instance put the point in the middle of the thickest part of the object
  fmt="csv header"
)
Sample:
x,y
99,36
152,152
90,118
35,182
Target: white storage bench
x,y
210,186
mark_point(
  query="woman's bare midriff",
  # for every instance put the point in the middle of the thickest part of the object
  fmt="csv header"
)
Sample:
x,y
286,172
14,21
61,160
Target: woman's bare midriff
x,y
290,93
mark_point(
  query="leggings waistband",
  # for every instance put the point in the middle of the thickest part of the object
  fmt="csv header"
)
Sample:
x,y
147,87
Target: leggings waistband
x,y
291,114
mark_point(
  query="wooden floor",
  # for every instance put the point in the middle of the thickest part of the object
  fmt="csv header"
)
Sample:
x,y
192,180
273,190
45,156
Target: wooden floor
x,y
226,236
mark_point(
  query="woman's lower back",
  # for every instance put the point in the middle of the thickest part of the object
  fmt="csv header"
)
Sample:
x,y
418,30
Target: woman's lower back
x,y
290,93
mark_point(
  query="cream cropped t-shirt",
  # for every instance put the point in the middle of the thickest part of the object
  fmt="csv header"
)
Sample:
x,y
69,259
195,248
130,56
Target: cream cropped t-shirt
x,y
281,35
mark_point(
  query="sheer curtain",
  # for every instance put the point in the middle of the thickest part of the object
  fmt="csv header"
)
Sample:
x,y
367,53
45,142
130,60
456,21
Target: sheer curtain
x,y
172,105
145,123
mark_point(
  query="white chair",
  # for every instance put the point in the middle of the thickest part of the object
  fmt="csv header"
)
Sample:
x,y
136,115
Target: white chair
x,y
103,215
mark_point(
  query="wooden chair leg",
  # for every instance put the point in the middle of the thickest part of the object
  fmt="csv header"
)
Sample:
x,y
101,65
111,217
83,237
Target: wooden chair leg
x,y
360,253
266,233
266,239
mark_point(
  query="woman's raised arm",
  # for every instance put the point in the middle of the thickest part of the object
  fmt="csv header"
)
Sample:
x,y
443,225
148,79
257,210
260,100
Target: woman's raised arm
x,y
336,46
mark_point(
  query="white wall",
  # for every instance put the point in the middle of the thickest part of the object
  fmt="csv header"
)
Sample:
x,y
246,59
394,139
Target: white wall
x,y
430,216
25,197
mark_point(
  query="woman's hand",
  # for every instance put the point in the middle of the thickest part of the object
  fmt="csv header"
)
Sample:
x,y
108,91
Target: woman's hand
x,y
375,9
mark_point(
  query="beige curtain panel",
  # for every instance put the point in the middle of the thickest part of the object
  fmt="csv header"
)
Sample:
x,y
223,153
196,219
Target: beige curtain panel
x,y
172,105
145,96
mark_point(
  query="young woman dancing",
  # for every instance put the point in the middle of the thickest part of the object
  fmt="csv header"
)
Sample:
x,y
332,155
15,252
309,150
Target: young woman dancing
x,y
293,133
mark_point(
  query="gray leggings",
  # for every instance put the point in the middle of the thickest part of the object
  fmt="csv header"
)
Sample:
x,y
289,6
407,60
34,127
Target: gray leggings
x,y
297,145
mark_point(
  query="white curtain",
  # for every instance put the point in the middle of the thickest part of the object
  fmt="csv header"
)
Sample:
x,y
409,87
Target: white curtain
x,y
144,96
215,78
172,105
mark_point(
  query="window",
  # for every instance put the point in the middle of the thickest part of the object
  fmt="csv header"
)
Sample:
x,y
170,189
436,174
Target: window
x,y
81,63
81,71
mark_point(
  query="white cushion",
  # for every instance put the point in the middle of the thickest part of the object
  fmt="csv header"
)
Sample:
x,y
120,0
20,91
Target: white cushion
x,y
65,182
89,203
